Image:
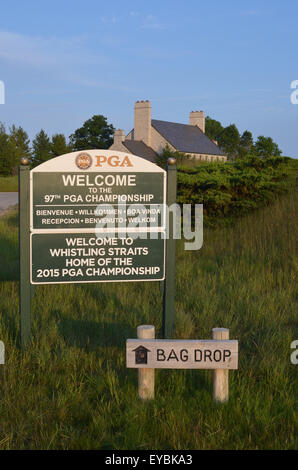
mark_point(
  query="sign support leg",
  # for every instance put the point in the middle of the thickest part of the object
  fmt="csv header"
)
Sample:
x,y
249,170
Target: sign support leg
x,y
220,376
146,376
169,282
24,252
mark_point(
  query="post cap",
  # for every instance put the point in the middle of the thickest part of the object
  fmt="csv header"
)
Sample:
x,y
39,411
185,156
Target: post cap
x,y
171,161
25,161
146,332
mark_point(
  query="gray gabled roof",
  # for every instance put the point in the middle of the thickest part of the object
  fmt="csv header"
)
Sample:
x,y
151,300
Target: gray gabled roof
x,y
139,148
186,138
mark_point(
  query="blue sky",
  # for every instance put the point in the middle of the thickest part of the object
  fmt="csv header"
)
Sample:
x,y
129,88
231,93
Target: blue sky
x,y
64,61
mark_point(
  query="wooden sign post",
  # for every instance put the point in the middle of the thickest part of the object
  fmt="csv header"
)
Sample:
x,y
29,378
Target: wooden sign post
x,y
219,354
24,251
220,376
146,376
168,317
2,352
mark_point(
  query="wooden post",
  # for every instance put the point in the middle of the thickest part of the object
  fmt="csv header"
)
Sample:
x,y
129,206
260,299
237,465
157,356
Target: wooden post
x,y
24,250
220,376
2,350
168,317
146,376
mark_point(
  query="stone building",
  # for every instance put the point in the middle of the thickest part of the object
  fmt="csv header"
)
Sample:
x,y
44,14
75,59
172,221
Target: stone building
x,y
149,137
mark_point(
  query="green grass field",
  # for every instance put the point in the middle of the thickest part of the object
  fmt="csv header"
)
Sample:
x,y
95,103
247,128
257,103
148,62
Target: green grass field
x,y
71,389
9,184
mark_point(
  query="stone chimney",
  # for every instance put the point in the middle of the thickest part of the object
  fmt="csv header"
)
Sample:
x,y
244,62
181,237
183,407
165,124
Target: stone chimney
x,y
119,136
197,118
142,127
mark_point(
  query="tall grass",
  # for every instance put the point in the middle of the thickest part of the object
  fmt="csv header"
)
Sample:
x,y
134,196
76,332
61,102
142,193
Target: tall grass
x,y
9,183
71,388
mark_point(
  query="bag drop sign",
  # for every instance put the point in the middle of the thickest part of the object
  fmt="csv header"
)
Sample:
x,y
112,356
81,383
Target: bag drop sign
x,y
181,354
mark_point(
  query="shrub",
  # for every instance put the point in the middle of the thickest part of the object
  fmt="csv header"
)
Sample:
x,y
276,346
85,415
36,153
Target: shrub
x,y
233,188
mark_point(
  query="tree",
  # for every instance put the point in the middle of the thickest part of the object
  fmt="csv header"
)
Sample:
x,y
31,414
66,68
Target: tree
x,y
95,133
7,153
41,148
59,145
265,147
181,158
229,140
245,144
21,142
213,128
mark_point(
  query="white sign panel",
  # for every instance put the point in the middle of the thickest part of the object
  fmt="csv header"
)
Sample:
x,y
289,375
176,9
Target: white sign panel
x,y
83,190
182,354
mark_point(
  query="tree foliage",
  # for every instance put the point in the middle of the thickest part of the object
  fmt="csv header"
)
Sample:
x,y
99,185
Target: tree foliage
x,y
59,146
8,153
237,146
233,188
265,147
13,146
229,140
21,142
213,128
95,133
42,149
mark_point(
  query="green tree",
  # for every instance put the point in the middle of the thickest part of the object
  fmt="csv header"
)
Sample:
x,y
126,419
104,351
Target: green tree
x,y
42,149
265,147
229,140
59,146
95,133
21,141
7,153
213,128
245,144
181,158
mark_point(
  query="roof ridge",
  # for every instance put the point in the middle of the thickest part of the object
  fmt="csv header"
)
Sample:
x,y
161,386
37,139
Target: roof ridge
x,y
166,129
171,122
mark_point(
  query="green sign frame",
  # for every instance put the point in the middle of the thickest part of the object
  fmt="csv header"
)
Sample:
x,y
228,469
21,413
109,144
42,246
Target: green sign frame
x,y
27,232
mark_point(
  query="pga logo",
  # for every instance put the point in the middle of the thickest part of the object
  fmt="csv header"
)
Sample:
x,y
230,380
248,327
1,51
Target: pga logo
x,y
84,161
114,161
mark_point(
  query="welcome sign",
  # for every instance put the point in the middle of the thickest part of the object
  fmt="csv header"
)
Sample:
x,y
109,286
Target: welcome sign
x,y
90,216
76,190
96,216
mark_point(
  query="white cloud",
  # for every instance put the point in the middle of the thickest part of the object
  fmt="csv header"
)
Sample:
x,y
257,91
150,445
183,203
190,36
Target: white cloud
x,y
151,22
41,52
111,20
63,60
